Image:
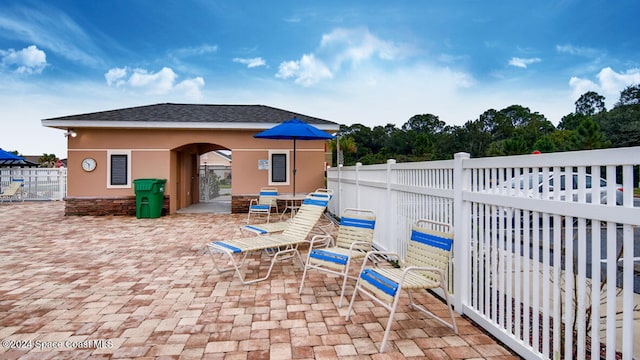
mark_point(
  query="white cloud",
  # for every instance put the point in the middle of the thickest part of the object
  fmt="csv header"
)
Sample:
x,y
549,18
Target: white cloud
x,y
156,83
251,63
191,88
355,47
194,51
306,71
523,63
114,76
577,50
29,60
161,82
51,29
376,96
609,83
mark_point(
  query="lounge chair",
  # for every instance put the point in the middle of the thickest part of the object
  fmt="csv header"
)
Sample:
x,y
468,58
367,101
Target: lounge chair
x,y
354,240
276,227
12,191
424,268
264,203
279,245
323,190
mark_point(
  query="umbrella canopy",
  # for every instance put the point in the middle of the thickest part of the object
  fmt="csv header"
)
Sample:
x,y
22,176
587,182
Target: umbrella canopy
x,y
294,129
7,158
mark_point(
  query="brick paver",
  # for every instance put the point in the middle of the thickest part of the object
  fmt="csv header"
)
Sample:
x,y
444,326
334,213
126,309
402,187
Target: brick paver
x,y
121,287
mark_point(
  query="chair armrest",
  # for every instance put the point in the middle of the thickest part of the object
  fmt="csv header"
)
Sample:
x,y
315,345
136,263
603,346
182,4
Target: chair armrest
x,y
358,243
422,268
373,254
253,202
319,240
327,228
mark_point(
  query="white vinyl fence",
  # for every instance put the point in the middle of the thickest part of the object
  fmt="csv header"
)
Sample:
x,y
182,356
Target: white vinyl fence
x,y
38,183
549,267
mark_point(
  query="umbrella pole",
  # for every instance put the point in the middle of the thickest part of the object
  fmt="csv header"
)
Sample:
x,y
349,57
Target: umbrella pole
x,y
294,167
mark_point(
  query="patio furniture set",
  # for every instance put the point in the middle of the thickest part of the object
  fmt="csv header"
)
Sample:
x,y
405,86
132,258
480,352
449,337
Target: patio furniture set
x,y
429,252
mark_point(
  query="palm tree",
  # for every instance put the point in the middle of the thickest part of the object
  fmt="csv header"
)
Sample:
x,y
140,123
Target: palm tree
x,y
48,160
347,144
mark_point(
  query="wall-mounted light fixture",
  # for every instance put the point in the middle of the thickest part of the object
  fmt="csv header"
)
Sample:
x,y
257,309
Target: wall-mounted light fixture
x,y
70,132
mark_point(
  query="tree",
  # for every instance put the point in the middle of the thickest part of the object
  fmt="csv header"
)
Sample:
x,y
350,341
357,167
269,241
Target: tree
x,y
497,123
533,128
571,121
561,140
621,125
590,103
366,142
512,146
347,145
473,138
588,136
629,96
424,123
398,143
545,145
48,160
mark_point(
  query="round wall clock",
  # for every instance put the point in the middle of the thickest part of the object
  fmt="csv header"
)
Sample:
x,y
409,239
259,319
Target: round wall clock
x,y
88,164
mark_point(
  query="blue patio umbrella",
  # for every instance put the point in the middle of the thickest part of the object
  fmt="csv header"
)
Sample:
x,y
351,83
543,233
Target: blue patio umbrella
x,y
7,158
294,129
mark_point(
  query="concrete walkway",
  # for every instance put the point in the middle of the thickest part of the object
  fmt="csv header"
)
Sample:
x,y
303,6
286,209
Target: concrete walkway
x,y
219,205
121,287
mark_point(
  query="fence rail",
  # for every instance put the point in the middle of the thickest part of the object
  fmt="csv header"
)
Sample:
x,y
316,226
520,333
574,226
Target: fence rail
x,y
38,183
547,246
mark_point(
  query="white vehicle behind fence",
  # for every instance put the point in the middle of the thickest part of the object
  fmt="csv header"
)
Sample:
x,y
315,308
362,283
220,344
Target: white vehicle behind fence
x,y
518,186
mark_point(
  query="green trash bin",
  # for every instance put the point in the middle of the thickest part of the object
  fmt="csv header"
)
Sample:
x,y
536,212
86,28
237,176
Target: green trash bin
x,y
149,197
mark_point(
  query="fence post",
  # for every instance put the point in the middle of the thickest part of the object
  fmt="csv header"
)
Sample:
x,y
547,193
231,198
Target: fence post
x,y
358,166
461,226
339,211
390,216
62,182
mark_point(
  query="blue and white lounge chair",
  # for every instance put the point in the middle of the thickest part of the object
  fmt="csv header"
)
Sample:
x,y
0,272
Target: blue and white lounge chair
x,y
354,240
264,203
12,192
279,245
424,268
276,227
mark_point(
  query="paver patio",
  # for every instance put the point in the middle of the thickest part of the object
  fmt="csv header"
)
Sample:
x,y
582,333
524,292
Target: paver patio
x,y
121,287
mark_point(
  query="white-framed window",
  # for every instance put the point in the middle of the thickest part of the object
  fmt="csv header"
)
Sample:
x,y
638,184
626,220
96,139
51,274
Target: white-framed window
x,y
279,167
118,169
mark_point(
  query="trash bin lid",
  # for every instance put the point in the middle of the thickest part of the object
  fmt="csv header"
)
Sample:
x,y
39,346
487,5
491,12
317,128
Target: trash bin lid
x,y
144,184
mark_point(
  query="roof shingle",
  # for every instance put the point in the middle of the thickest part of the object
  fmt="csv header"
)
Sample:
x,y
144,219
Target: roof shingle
x,y
195,113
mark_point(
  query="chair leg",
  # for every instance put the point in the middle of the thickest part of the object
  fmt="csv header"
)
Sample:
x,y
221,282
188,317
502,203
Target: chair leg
x,y
345,275
353,298
392,312
304,273
454,326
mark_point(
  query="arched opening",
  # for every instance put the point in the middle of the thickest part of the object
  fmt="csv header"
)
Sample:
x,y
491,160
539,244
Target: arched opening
x,y
203,173
215,183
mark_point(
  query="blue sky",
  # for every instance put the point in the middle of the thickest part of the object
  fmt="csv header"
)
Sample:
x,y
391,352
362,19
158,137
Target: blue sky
x,y
369,62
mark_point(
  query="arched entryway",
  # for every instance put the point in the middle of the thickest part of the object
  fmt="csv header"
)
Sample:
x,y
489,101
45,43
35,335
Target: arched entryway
x,y
203,173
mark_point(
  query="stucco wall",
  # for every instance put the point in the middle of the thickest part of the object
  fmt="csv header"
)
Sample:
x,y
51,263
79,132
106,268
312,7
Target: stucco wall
x,y
168,154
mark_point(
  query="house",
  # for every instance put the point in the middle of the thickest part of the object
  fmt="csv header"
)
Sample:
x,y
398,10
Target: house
x,y
215,158
108,150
